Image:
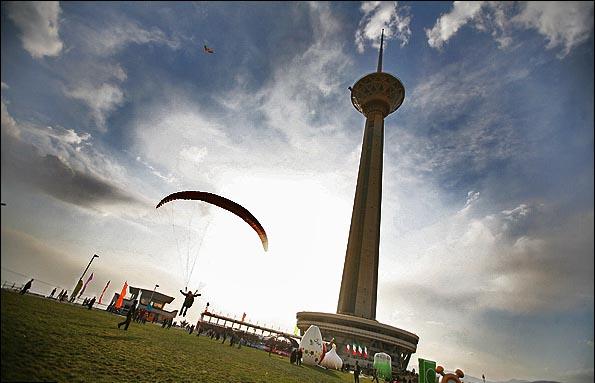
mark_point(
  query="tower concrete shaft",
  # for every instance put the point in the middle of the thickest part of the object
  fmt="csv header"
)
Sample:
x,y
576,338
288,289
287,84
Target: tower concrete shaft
x,y
375,95
360,271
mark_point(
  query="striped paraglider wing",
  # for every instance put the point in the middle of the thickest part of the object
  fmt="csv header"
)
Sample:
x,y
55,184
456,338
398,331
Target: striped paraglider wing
x,y
223,203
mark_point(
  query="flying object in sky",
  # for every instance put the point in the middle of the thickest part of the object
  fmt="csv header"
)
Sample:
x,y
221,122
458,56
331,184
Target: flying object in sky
x,y
208,50
223,203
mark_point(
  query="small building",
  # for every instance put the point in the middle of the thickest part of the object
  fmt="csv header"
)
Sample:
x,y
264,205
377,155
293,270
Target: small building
x,y
156,311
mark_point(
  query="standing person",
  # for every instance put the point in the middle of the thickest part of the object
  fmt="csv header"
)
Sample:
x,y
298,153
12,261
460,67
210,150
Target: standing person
x,y
483,377
129,315
26,287
356,371
52,293
91,302
298,359
374,376
188,301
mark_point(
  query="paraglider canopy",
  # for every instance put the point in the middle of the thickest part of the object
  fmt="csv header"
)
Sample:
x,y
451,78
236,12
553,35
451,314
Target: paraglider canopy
x,y
223,203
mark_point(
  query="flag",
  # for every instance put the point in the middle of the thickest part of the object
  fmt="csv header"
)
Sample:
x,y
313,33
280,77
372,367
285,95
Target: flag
x,y
348,350
365,352
359,350
86,283
208,50
121,297
354,349
105,288
243,317
296,330
427,371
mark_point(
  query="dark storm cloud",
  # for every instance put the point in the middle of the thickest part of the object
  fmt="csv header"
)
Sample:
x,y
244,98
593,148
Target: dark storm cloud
x,y
47,172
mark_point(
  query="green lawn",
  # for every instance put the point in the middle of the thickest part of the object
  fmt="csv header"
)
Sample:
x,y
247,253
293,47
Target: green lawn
x,y
43,340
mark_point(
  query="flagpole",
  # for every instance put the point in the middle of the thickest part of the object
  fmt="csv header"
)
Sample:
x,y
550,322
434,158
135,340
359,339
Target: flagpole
x,y
153,293
92,258
74,291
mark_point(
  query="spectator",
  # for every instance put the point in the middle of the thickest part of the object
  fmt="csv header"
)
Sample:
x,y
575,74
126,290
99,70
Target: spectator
x,y
26,287
129,315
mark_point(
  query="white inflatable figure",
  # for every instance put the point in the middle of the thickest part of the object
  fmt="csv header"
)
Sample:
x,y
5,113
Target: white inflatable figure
x,y
311,345
332,360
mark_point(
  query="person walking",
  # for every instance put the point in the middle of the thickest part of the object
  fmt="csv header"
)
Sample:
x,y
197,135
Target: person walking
x,y
52,293
90,303
375,376
129,315
356,371
26,287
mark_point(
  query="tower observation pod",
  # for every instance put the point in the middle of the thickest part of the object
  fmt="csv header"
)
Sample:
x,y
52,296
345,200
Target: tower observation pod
x,y
376,95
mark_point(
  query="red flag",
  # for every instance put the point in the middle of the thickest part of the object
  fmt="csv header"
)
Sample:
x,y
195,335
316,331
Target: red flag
x,y
121,297
105,288
86,283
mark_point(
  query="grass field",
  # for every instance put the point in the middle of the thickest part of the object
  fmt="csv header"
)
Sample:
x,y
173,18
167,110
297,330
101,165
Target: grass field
x,y
43,340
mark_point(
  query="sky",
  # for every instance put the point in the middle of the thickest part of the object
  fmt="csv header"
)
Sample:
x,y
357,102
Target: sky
x,y
487,217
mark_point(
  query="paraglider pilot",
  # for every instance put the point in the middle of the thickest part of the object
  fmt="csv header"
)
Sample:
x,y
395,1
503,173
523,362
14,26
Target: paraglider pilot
x,y
188,301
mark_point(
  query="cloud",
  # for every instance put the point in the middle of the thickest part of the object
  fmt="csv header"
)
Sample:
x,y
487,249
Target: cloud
x,y
39,25
108,35
564,24
380,15
9,125
512,260
286,119
578,376
449,23
102,100
51,160
5,86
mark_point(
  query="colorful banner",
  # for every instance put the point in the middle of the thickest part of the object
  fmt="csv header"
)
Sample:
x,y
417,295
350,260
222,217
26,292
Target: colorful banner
x,y
86,283
121,297
427,371
103,292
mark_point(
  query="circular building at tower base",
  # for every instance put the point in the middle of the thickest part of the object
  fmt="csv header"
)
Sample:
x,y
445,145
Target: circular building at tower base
x,y
375,336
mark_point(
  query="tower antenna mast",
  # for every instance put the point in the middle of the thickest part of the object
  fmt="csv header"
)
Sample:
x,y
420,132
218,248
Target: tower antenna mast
x,y
380,53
